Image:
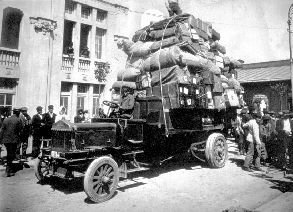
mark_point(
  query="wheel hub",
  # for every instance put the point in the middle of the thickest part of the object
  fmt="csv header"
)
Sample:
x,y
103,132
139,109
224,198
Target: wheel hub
x,y
105,179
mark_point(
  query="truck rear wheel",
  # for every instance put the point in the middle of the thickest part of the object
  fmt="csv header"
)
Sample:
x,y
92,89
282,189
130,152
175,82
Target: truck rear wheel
x,y
101,179
216,151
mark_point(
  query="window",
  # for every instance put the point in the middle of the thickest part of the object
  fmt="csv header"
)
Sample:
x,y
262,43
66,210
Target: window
x,y
67,37
66,87
82,89
85,12
101,16
6,104
80,102
69,7
64,102
7,84
84,39
10,27
100,33
97,91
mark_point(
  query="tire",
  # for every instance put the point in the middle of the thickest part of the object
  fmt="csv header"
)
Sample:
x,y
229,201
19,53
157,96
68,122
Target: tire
x,y
216,151
42,169
101,179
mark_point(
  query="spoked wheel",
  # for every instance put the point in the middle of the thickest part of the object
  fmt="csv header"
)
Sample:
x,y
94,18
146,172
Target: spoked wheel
x,y
101,179
216,150
42,169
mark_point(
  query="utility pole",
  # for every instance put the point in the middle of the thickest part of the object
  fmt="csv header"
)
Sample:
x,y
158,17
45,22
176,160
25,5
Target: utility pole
x,y
290,13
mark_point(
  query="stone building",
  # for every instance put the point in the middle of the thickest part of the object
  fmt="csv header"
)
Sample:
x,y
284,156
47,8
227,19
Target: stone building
x,y
49,51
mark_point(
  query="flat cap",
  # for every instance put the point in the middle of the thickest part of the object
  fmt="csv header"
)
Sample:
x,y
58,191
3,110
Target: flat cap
x,y
50,106
39,108
16,109
266,117
24,109
271,112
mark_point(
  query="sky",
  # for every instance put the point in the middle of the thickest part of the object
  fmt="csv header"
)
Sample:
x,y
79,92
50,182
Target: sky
x,y
251,30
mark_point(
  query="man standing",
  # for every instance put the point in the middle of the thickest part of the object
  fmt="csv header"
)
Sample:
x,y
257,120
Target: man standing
x,y
26,122
254,142
37,126
10,137
284,128
173,7
49,119
79,117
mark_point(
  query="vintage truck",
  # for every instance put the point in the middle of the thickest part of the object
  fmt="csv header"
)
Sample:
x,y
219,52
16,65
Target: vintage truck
x,y
104,149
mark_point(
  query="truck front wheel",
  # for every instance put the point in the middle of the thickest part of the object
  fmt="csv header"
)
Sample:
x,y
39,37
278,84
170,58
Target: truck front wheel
x,y
216,151
101,179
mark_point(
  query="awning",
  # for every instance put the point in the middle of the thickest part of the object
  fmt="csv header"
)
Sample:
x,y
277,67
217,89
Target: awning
x,y
264,74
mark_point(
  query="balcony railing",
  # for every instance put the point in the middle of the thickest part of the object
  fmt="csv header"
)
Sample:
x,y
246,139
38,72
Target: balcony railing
x,y
67,63
84,65
9,57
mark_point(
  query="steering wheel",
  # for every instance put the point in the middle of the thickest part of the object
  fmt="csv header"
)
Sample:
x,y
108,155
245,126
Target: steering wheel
x,y
110,104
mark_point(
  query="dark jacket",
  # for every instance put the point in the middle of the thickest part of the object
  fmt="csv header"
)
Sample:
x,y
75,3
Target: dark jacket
x,y
78,119
48,122
11,130
37,126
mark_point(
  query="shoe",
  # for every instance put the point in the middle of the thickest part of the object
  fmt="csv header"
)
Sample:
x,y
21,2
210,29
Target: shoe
x,y
247,169
9,174
258,169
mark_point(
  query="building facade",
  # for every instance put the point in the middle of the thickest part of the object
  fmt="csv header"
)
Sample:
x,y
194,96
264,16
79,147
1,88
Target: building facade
x,y
61,53
272,79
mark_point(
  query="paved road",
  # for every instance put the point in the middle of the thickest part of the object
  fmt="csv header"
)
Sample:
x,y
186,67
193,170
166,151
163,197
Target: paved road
x,y
179,185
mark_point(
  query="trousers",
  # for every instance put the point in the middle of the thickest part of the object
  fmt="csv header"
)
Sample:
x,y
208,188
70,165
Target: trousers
x,y
251,153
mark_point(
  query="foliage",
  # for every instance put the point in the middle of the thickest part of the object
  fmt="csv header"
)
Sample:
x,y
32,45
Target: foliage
x,y
102,70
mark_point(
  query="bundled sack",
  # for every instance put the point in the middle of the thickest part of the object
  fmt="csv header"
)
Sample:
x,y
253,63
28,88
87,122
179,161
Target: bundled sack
x,y
215,45
168,75
233,83
198,62
235,63
119,84
178,30
139,49
225,85
164,43
134,62
128,74
224,78
141,35
164,58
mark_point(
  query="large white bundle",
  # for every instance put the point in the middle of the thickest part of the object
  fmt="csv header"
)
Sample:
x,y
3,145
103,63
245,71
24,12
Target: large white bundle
x,y
128,74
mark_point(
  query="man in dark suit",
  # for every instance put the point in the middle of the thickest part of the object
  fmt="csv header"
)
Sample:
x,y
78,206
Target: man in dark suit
x,y
49,120
10,137
79,117
284,128
37,126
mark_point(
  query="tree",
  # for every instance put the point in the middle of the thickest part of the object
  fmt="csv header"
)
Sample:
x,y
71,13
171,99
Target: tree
x,y
282,90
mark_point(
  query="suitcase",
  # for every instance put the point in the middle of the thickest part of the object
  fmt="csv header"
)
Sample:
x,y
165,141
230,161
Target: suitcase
x,y
193,22
208,77
217,88
215,35
231,97
220,102
143,81
219,61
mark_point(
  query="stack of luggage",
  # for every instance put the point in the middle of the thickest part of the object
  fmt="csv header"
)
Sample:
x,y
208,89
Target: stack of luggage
x,y
181,59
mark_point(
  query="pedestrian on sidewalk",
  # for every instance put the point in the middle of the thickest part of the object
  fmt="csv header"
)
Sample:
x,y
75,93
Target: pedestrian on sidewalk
x,y
37,127
254,144
49,119
26,132
10,136
239,137
284,128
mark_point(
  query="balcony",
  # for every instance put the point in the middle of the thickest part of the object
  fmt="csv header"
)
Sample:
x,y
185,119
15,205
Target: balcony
x,y
84,65
9,63
67,63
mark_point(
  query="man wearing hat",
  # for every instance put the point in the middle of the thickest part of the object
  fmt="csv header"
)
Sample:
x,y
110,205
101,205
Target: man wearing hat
x,y
49,119
79,117
254,142
37,127
26,122
284,128
10,137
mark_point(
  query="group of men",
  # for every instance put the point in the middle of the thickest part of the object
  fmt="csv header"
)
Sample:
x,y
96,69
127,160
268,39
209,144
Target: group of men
x,y
265,136
16,129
